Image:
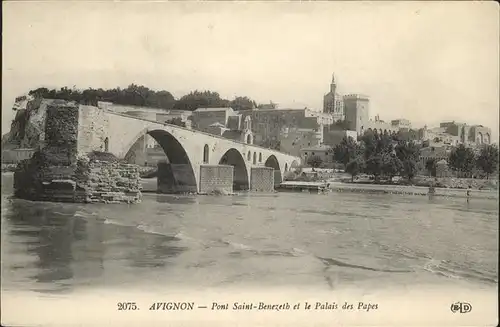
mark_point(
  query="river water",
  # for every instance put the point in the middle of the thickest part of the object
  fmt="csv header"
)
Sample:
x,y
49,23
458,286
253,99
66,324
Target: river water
x,y
339,243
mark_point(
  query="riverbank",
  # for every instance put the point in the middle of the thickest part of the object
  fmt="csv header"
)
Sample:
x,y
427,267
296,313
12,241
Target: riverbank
x,y
410,190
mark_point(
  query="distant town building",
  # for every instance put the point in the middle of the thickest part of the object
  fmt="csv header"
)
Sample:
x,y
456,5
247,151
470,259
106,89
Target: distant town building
x,y
170,115
333,102
292,139
205,118
436,153
454,133
224,122
268,124
381,126
322,151
401,123
357,110
333,137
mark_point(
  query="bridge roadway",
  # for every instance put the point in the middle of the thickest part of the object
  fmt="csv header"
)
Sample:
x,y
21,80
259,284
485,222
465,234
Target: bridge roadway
x,y
187,150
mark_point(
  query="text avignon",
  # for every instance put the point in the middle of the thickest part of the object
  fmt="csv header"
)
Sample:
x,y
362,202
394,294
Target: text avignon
x,y
172,306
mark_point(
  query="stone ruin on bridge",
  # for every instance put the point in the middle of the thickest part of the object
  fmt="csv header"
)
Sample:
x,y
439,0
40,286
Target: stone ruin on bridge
x,y
57,172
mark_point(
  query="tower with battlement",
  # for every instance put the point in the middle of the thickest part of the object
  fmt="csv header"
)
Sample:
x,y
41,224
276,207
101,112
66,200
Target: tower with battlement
x,y
357,112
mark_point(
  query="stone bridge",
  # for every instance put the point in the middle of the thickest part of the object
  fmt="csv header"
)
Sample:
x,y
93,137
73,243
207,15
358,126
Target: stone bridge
x,y
194,158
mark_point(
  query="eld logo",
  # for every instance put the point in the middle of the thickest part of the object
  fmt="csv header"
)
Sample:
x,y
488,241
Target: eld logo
x,y
461,307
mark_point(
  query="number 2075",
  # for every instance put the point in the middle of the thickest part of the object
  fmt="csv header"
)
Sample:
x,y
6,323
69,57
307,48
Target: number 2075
x,y
127,306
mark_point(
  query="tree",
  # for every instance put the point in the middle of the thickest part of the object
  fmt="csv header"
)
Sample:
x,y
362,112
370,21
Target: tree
x,y
201,99
314,161
242,103
430,166
462,159
374,166
487,160
133,95
391,165
346,151
408,153
355,166
378,154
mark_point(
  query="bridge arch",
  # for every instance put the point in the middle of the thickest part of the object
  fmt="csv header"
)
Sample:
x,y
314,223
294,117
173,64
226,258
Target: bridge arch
x,y
240,174
177,173
273,162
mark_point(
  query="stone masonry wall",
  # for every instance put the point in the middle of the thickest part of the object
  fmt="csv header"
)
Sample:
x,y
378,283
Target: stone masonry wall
x,y
93,126
84,182
108,182
216,179
61,134
262,179
57,173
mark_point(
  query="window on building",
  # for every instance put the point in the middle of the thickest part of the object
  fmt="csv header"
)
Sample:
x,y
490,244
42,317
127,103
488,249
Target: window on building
x,y
205,153
106,144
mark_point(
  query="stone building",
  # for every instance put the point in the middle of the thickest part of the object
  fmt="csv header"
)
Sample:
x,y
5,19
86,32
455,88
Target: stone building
x,y
357,110
268,125
333,102
454,133
322,151
169,115
332,137
292,140
203,118
381,126
437,153
238,131
401,124
224,122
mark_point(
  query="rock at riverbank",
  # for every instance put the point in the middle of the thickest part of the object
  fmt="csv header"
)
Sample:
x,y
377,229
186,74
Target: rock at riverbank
x,y
85,181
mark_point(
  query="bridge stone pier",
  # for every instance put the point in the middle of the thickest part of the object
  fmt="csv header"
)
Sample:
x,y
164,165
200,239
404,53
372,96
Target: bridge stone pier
x,y
196,162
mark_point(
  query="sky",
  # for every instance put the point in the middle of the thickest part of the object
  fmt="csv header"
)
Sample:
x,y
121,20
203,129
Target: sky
x,y
424,61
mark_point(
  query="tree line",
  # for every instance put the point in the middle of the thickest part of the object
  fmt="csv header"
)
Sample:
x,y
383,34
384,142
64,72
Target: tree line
x,y
388,155
466,162
379,155
138,95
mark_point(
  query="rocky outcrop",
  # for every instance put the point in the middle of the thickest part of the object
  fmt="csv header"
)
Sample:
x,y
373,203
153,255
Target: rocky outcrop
x,y
27,128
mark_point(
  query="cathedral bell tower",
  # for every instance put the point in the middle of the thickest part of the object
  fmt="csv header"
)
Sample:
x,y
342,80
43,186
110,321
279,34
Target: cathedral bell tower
x,y
333,85
330,98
